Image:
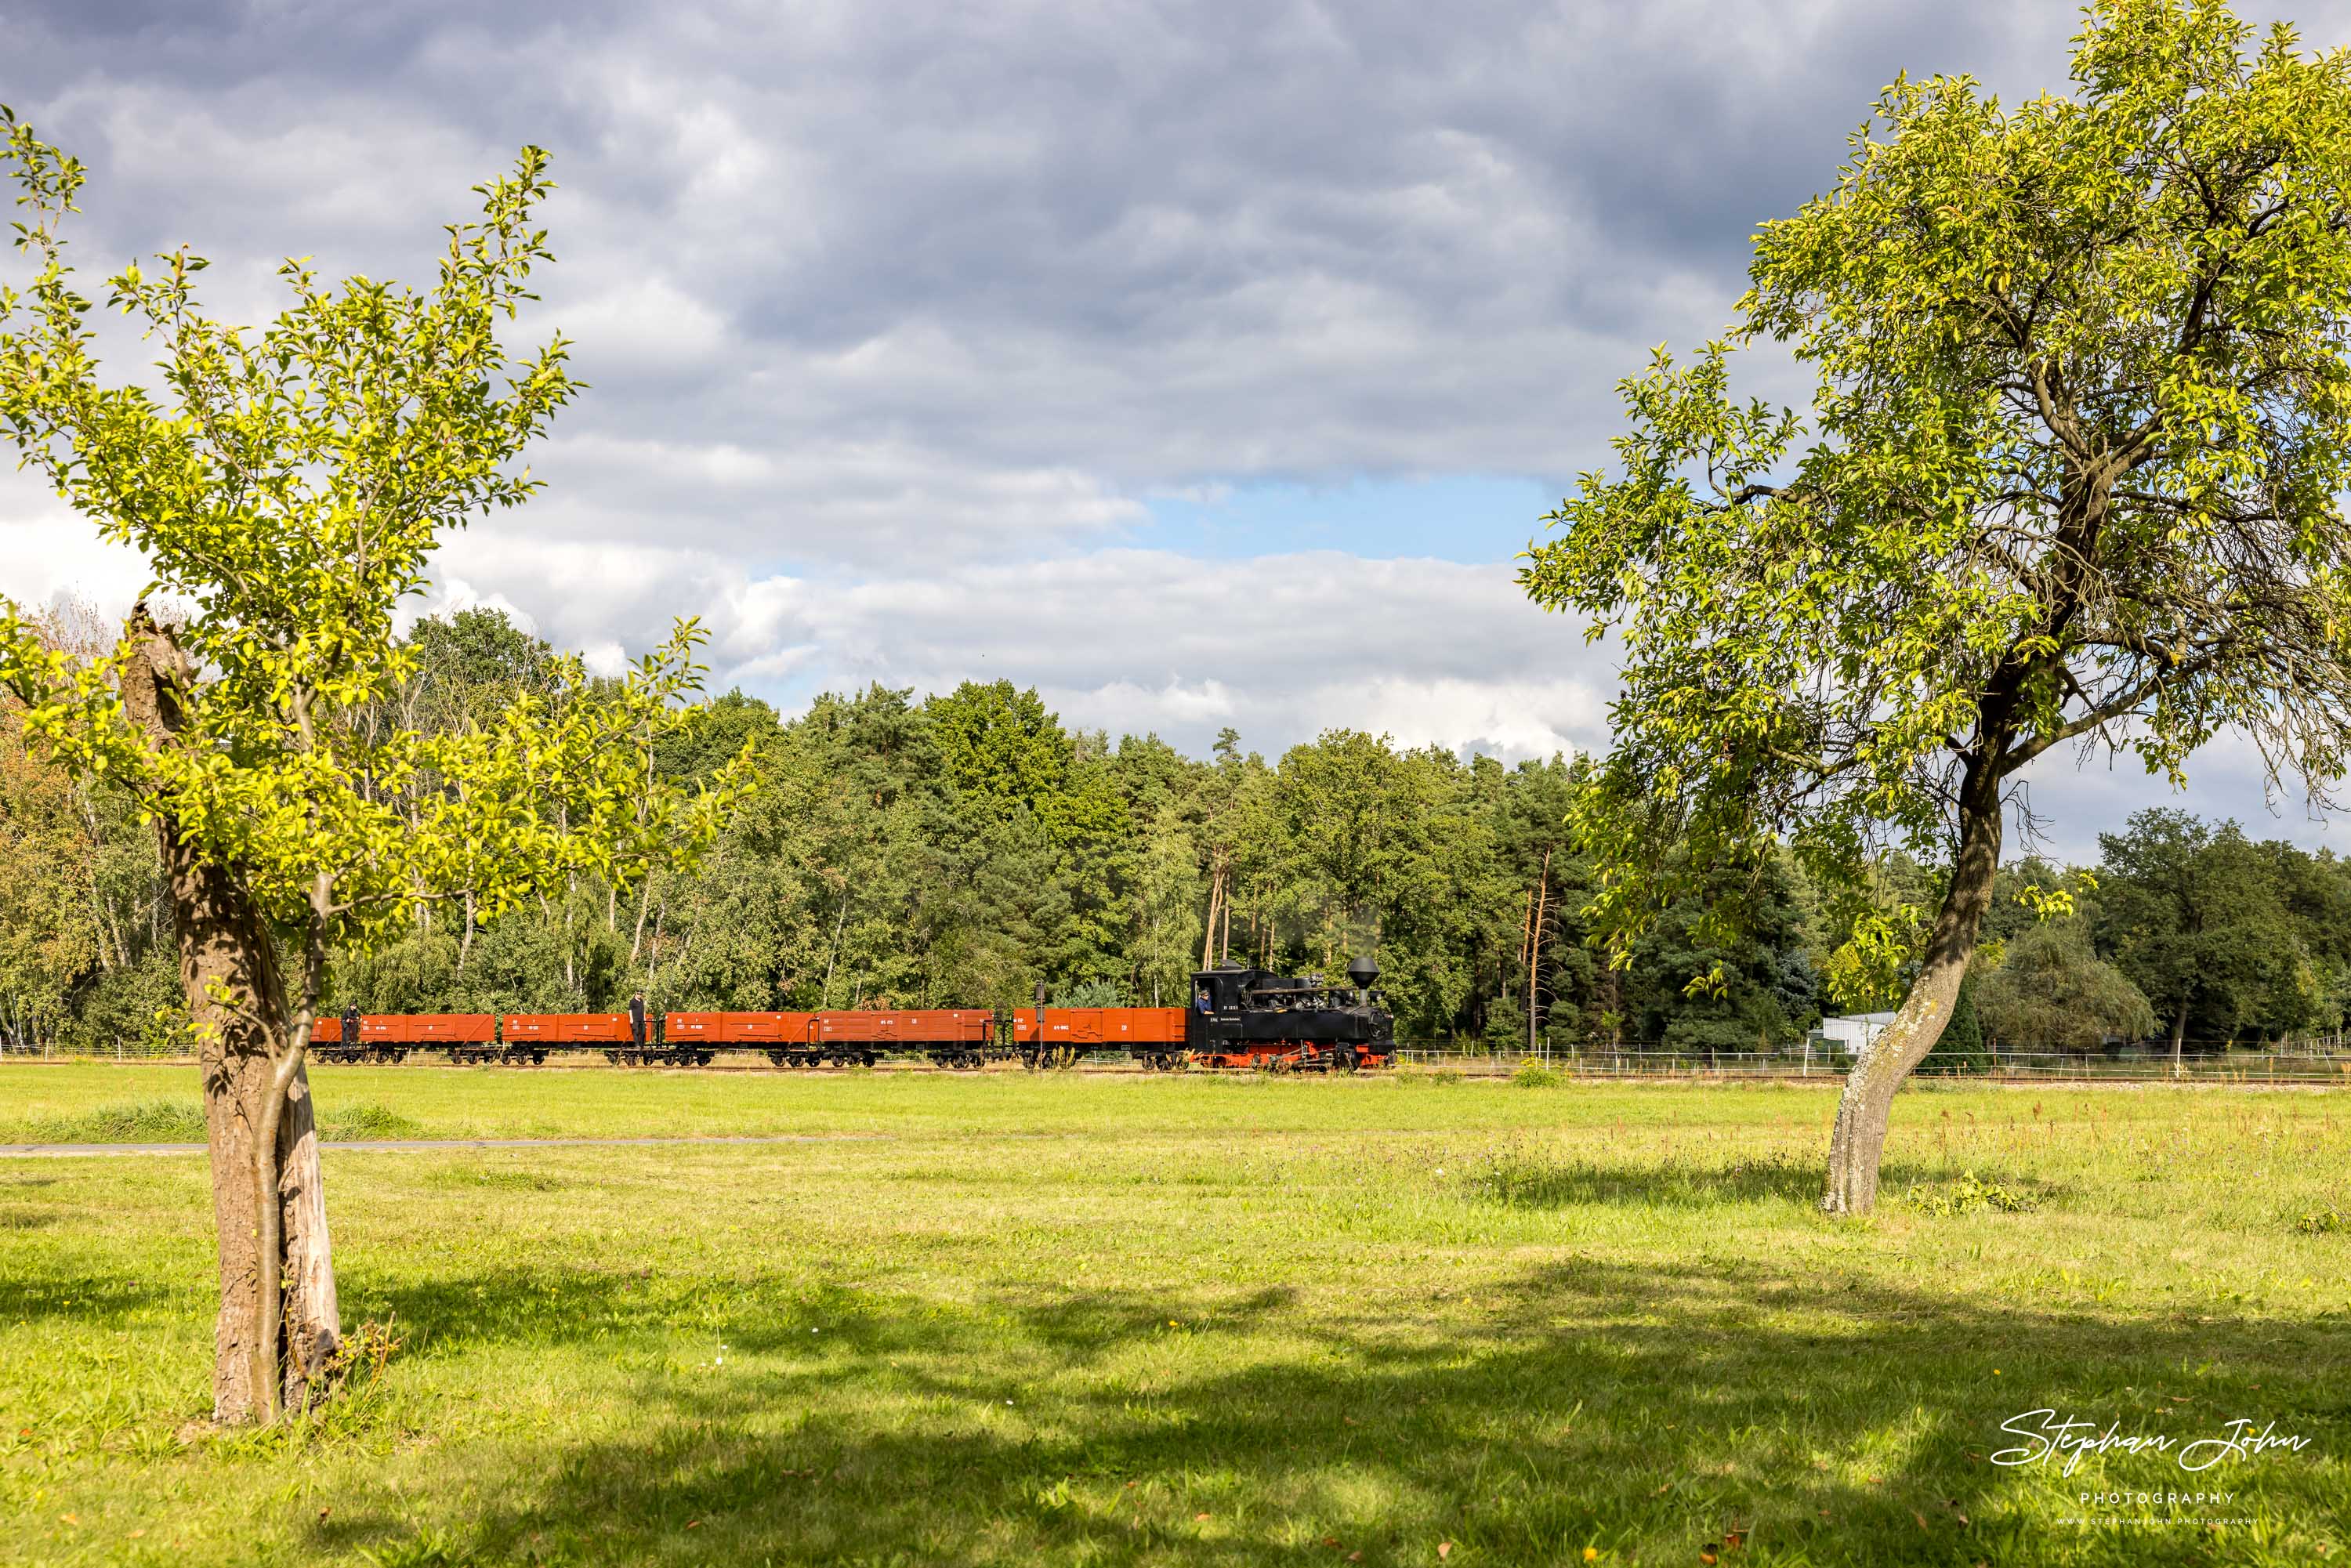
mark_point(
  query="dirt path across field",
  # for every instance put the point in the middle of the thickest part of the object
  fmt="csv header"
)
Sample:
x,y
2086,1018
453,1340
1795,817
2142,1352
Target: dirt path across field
x,y
72,1151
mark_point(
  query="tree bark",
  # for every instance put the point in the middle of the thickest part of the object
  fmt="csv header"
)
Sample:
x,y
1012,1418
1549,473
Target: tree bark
x,y
1534,946
225,946
644,903
2178,1039
1216,893
1857,1143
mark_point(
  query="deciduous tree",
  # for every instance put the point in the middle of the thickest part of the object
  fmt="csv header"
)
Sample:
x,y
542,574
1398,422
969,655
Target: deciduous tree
x,y
2053,991
2192,915
287,487
2071,474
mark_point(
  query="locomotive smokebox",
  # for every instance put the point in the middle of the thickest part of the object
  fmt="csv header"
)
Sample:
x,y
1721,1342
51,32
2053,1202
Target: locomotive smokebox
x,y
1362,973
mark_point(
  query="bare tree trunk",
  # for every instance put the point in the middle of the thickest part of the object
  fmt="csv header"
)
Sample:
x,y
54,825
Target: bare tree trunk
x,y
1526,933
465,937
1534,946
225,947
1216,893
833,955
644,902
1858,1142
2178,1039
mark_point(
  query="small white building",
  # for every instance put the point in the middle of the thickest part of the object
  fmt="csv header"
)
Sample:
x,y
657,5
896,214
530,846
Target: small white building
x,y
1847,1034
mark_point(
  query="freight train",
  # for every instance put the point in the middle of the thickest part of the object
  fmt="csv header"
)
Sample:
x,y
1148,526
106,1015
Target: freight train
x,y
1239,1017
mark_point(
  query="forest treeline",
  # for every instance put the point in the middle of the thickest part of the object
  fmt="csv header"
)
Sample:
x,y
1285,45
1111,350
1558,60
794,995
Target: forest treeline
x,y
965,849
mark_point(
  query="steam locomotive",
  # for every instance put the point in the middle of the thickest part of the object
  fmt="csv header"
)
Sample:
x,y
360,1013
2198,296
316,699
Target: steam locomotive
x,y
1239,1017
1247,1017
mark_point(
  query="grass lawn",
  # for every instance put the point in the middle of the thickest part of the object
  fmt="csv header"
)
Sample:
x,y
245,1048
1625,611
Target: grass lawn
x,y
1063,1319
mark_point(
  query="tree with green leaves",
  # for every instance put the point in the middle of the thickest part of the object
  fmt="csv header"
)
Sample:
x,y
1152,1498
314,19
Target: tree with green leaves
x,y
2082,419
2053,991
2192,914
287,487
46,941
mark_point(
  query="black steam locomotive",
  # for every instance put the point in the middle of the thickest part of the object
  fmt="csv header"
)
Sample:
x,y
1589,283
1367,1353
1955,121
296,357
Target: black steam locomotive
x,y
1248,1017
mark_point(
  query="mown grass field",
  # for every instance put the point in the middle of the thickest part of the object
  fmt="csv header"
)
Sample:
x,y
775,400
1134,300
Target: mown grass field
x,y
1101,1320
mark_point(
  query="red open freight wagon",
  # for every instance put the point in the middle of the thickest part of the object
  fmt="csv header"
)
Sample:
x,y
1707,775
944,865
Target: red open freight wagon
x,y
532,1035
389,1037
1154,1035
957,1037
788,1038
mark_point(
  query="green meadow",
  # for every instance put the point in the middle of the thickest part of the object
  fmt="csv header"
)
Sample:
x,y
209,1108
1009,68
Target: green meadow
x,y
1105,1319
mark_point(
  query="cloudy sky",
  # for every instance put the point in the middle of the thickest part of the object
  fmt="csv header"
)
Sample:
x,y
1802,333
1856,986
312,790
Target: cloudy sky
x,y
1197,363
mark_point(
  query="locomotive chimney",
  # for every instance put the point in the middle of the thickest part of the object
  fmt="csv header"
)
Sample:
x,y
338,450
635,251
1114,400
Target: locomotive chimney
x,y
1362,972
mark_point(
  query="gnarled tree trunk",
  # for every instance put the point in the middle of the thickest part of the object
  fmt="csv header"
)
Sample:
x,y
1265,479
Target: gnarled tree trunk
x,y
224,946
1858,1142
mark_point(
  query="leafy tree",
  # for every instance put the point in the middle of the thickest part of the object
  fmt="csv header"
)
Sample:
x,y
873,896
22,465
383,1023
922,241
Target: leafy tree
x,y
469,667
1000,746
47,942
1356,822
1168,904
287,487
1698,981
2082,417
1006,754
2053,991
2193,916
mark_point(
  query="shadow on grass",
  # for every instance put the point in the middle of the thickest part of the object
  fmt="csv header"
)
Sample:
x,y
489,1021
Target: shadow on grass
x,y
1518,1178
1642,1412
31,1293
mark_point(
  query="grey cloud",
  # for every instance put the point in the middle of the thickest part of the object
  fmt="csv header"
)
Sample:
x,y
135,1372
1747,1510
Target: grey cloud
x,y
1151,245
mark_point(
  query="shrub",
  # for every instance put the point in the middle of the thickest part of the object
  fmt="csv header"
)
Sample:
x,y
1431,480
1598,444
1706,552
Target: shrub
x,y
365,1121
1969,1194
